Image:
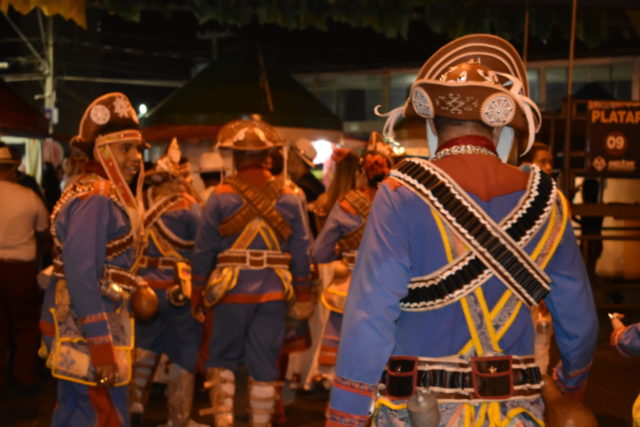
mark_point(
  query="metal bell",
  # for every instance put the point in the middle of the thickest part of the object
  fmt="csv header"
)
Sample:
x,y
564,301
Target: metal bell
x,y
423,409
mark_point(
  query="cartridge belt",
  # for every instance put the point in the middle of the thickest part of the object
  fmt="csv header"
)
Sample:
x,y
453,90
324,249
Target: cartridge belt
x,y
161,263
253,259
453,379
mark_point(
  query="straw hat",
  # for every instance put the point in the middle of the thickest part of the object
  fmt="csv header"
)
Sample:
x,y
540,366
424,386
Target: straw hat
x,y
6,158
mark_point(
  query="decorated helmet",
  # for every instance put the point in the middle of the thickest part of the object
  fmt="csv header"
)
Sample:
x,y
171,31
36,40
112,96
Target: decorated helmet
x,y
478,77
109,118
376,161
248,135
171,165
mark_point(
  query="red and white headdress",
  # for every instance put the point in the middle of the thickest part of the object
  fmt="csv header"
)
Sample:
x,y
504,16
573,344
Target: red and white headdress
x,y
109,119
171,165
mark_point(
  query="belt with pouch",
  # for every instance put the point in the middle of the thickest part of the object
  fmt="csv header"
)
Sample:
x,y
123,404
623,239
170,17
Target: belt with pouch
x,y
491,378
253,259
159,263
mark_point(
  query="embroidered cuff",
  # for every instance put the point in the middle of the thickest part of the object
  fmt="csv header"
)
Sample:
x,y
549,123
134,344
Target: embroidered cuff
x,y
354,386
352,397
616,341
338,418
101,351
572,384
92,318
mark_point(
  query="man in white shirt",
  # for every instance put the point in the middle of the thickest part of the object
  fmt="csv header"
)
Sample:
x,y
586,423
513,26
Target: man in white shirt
x,y
22,215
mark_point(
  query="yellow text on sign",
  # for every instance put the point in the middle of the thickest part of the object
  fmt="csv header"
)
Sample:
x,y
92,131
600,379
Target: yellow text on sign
x,y
615,116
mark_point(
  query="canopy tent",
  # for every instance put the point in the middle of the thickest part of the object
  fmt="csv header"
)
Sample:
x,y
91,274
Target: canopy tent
x,y
24,127
240,84
18,117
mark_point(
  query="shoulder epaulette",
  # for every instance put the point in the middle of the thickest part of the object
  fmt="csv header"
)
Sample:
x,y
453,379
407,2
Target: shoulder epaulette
x,y
223,188
347,207
393,184
100,187
359,201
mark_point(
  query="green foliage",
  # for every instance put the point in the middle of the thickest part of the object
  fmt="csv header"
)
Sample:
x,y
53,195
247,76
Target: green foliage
x,y
392,18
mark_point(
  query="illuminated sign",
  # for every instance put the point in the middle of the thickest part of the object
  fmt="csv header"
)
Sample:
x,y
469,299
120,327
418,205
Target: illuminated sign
x,y
613,133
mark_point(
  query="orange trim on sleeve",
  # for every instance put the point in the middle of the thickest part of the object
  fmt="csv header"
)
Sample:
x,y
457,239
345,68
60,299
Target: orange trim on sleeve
x,y
93,318
223,188
101,187
346,206
616,337
392,183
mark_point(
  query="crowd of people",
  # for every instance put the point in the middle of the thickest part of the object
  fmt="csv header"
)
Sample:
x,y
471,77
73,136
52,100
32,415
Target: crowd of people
x,y
408,287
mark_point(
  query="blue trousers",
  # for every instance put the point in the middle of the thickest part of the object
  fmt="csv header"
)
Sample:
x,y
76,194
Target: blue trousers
x,y
83,406
173,331
248,333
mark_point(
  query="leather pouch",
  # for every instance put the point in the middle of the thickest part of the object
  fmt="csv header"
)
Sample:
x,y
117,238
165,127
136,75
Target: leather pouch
x,y
492,377
401,377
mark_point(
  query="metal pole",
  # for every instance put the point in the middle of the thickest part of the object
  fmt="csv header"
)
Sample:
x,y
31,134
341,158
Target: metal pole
x,y
264,82
26,41
116,80
567,180
525,43
49,80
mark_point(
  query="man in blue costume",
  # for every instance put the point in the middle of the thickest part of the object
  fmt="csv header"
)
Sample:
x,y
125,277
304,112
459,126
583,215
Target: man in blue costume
x,y
626,340
341,235
97,228
251,256
455,253
171,220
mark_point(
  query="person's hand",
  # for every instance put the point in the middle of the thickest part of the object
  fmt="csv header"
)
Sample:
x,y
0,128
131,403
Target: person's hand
x,y
616,320
197,309
301,310
107,375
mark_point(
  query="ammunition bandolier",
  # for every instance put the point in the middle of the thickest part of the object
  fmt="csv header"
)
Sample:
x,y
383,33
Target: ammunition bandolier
x,y
335,295
479,373
257,216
